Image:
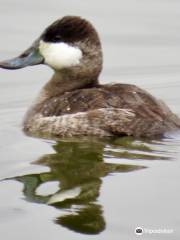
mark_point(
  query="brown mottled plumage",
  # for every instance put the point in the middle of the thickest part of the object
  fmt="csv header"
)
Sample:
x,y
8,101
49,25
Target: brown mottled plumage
x,y
73,103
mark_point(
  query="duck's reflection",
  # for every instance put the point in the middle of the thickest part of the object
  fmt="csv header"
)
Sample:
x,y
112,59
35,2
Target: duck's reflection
x,y
78,167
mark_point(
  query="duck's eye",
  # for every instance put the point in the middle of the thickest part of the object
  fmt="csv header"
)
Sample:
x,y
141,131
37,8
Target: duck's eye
x,y
57,38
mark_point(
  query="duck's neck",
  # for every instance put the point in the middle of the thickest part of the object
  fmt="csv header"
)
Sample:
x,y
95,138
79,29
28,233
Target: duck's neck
x,y
65,81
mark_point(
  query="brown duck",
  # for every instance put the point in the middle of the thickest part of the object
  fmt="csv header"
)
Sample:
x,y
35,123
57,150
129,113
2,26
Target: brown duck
x,y
73,103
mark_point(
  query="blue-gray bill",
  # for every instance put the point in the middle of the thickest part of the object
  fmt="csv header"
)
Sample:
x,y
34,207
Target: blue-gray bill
x,y
29,58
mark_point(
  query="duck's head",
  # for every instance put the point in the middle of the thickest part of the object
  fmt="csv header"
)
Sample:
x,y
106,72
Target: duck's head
x,y
68,43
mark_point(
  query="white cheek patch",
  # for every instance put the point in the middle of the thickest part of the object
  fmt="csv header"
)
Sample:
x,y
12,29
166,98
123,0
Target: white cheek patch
x,y
60,55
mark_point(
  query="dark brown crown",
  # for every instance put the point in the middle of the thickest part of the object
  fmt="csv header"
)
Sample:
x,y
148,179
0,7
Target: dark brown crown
x,y
70,29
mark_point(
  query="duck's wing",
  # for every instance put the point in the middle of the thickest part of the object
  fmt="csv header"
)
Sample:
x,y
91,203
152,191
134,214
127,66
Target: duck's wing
x,y
123,96
153,116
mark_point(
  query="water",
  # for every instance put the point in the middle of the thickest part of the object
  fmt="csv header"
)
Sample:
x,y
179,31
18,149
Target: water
x,y
91,189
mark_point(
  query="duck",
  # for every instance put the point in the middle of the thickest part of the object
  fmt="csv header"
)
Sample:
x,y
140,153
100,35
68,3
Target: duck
x,y
73,103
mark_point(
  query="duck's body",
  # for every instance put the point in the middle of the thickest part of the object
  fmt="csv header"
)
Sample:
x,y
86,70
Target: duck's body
x,y
101,110
73,103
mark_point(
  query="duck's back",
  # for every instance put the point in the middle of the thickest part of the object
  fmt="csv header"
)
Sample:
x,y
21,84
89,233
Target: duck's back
x,y
120,109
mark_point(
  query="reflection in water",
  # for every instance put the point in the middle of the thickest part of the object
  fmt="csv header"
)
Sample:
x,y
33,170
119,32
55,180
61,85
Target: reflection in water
x,y
78,167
